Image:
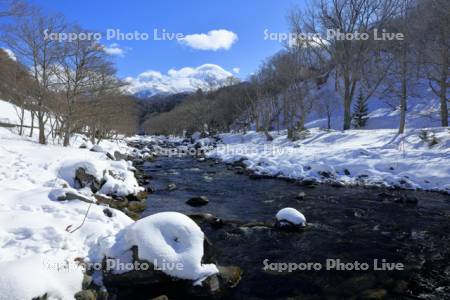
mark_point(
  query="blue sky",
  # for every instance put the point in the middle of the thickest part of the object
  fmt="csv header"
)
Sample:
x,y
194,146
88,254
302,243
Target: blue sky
x,y
247,19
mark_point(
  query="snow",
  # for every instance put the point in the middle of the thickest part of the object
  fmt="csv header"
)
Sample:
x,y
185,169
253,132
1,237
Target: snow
x,y
40,235
117,175
10,53
291,215
167,238
196,135
35,228
372,157
38,275
97,148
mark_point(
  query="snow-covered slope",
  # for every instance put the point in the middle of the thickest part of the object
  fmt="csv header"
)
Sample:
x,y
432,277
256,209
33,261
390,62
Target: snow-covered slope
x,y
33,227
423,108
373,157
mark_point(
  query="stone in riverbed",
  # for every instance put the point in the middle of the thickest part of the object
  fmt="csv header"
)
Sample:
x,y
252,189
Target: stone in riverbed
x,y
152,279
360,283
290,219
84,179
150,189
171,186
230,275
85,295
140,196
374,294
301,196
162,297
197,201
136,206
118,203
120,156
208,218
133,215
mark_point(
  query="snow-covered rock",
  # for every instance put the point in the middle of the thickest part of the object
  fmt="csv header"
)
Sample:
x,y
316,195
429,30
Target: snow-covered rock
x,y
97,148
116,177
290,216
167,238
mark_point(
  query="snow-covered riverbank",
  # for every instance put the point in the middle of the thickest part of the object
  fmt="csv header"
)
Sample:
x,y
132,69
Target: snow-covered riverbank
x,y
419,159
51,219
35,228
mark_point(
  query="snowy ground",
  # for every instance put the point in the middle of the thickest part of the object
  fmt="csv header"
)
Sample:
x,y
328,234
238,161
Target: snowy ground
x,y
33,227
40,237
372,157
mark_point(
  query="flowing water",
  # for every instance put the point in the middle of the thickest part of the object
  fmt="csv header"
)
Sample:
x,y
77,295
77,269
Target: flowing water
x,y
346,224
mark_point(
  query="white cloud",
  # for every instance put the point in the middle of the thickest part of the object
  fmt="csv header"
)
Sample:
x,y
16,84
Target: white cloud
x,y
114,50
236,70
213,40
178,80
10,54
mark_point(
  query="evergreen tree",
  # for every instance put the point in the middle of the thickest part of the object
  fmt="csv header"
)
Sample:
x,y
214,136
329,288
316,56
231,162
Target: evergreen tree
x,y
360,112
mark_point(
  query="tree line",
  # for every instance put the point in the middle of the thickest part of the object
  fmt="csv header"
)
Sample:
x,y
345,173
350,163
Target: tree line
x,y
295,82
67,86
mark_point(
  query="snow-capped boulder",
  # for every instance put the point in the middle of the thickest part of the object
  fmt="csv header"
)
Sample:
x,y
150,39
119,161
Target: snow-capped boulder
x,y
179,260
290,217
107,177
97,148
166,239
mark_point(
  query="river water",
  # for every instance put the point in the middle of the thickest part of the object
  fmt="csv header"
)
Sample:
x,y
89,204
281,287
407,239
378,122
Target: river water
x,y
350,225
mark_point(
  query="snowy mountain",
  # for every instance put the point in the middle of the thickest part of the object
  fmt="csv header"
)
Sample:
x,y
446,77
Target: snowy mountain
x,y
186,79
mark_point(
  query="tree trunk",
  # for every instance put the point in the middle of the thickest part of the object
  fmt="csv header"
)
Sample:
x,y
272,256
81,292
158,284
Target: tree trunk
x,y
329,120
347,113
92,134
403,103
66,141
257,127
443,91
403,97
32,124
22,115
348,95
41,125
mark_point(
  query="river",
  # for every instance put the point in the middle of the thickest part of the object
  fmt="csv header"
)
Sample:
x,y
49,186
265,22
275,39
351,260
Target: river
x,y
350,225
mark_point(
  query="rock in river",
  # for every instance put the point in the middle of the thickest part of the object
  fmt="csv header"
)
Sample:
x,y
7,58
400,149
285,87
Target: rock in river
x,y
290,218
198,201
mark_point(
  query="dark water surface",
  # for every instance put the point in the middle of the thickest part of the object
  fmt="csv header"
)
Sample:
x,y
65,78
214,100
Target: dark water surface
x,y
350,224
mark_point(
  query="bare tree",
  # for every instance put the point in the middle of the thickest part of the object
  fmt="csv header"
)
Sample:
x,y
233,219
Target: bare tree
x,y
15,85
27,40
13,8
435,24
347,55
77,70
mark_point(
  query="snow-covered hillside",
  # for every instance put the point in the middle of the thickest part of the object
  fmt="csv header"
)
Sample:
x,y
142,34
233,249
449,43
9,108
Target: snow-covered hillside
x,y
423,110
